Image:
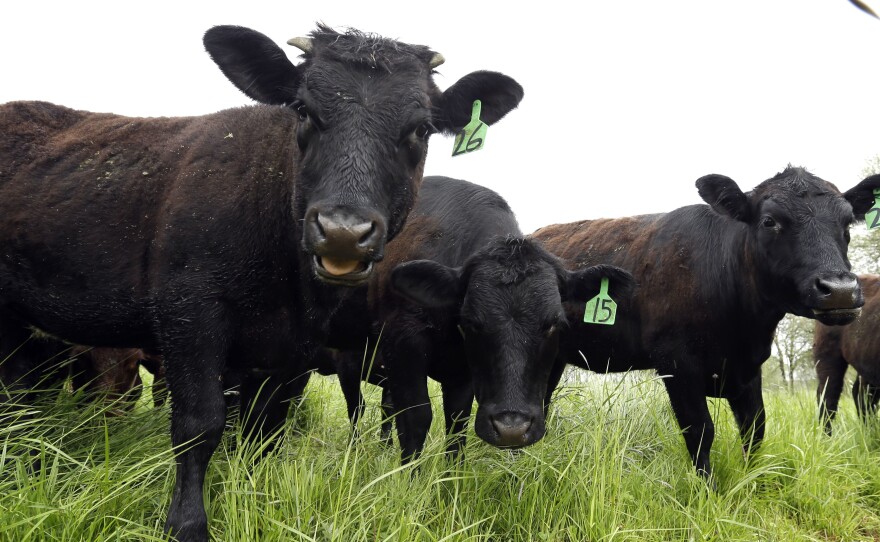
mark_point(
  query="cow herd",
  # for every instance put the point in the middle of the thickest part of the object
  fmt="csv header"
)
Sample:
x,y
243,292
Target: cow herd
x,y
252,246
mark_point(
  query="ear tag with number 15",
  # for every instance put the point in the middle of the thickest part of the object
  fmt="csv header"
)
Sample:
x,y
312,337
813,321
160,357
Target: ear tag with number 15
x,y
472,137
601,309
874,221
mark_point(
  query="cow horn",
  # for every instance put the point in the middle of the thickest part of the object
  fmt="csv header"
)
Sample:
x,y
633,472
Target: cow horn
x,y
304,44
436,60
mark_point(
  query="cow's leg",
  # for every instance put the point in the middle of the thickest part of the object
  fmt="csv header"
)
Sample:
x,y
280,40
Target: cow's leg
x,y
692,414
26,364
154,365
830,370
348,370
458,400
194,359
406,359
865,396
748,410
553,383
387,414
265,403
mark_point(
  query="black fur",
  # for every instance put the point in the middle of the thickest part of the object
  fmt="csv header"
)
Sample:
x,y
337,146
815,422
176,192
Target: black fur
x,y
714,281
473,304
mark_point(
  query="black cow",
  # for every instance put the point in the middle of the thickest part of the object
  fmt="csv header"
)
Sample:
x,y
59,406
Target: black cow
x,y
464,298
221,241
858,344
714,281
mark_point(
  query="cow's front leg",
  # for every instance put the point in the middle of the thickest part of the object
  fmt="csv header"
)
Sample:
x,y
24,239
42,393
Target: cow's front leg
x,y
198,415
458,400
692,414
748,410
406,360
265,403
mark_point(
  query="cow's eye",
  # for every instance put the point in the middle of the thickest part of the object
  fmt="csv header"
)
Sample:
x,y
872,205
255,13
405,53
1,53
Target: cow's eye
x,y
768,222
424,130
550,330
301,112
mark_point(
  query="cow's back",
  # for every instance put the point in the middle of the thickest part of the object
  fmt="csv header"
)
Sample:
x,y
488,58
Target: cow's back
x,y
452,220
99,211
675,258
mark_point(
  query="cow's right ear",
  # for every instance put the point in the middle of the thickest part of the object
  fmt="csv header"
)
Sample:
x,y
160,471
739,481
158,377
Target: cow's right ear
x,y
724,196
861,196
254,64
498,95
427,283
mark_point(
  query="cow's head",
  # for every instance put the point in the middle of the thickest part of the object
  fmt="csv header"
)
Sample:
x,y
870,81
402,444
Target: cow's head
x,y
509,300
798,233
366,107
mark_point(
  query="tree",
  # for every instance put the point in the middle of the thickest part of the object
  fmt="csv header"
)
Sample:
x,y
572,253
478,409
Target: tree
x,y
792,349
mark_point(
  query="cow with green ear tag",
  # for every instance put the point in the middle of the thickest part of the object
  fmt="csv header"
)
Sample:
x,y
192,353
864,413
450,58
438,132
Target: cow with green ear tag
x,y
223,241
714,281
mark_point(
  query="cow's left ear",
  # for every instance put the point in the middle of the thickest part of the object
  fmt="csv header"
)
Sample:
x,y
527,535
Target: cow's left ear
x,y
861,196
498,95
724,196
428,283
584,285
254,64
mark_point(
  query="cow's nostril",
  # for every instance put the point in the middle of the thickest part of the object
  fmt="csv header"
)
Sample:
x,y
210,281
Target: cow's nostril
x,y
823,287
365,238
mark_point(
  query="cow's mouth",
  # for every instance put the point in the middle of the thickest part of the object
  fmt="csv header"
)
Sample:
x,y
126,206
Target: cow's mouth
x,y
342,272
836,317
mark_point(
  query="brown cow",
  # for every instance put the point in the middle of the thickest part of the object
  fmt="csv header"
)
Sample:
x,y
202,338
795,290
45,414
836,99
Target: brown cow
x,y
858,344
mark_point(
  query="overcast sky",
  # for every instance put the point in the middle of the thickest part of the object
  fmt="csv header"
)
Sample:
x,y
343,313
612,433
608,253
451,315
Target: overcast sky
x,y
626,103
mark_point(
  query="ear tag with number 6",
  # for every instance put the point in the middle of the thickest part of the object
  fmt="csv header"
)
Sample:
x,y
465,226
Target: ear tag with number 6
x,y
872,217
472,137
601,309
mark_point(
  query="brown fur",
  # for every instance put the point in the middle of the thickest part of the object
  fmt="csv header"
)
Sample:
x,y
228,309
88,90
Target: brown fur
x,y
835,348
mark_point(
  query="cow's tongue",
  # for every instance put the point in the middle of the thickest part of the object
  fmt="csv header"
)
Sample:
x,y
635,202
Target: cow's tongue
x,y
339,267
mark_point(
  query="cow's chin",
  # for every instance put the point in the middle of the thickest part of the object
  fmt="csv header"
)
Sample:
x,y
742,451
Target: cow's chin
x,y
836,317
342,273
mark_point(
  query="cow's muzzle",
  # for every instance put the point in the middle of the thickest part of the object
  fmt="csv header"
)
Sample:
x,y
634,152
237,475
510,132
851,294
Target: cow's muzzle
x,y
344,243
838,299
510,429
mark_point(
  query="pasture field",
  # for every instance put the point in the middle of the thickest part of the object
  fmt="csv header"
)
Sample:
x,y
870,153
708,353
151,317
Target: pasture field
x,y
612,467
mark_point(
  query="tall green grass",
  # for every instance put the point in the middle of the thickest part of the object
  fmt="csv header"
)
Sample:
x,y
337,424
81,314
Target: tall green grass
x,y
612,467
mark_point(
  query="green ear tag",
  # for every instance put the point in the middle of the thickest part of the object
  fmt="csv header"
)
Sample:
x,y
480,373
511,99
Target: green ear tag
x,y
872,217
472,136
601,309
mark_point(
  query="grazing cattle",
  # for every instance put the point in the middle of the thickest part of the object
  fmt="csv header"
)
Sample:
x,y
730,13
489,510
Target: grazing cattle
x,y
714,281
858,344
462,297
222,241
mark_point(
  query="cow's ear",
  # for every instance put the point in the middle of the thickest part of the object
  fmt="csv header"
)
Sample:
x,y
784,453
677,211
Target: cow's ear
x,y
724,196
254,64
498,95
861,196
584,285
427,283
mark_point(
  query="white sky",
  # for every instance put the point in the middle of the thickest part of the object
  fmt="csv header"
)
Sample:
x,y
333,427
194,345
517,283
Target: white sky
x,y
626,103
